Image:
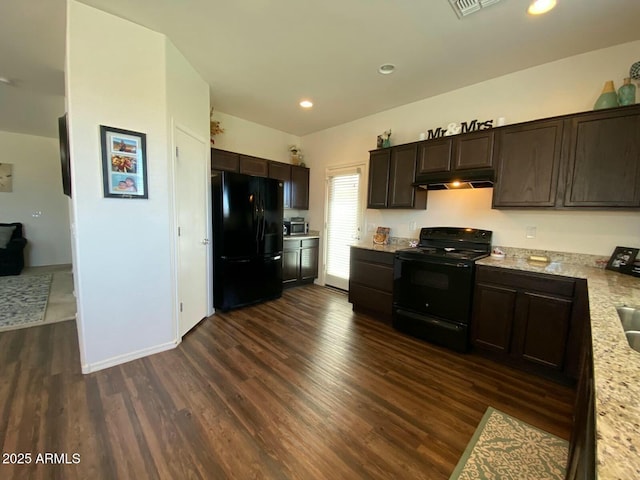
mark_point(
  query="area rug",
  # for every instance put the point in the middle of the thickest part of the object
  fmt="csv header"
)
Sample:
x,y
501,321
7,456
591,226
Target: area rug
x,y
23,300
505,448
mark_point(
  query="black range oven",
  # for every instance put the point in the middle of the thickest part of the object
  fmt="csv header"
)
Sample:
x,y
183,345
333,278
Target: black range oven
x,y
433,284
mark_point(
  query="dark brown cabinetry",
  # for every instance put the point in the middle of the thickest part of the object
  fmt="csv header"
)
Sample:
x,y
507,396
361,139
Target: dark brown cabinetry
x,y
258,167
529,320
603,164
456,153
299,189
282,172
299,261
378,178
527,164
294,177
391,176
585,160
371,281
581,464
223,160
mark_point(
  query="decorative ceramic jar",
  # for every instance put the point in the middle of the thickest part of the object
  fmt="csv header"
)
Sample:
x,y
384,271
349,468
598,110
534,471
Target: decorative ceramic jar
x,y
627,93
608,98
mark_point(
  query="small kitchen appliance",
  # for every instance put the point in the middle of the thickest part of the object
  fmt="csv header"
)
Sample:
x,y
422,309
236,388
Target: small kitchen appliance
x,y
296,226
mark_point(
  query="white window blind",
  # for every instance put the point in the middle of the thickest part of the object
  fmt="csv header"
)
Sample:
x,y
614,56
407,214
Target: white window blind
x,y
343,223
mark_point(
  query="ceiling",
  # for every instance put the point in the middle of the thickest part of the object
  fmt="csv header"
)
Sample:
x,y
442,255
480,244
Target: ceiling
x,y
261,57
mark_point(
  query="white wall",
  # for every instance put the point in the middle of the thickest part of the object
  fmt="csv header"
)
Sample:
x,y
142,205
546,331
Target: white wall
x,y
37,187
566,86
250,138
116,75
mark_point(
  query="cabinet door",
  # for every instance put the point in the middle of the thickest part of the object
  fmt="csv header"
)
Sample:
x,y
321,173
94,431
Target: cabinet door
x,y
493,314
604,159
282,171
299,187
541,329
254,166
378,178
527,163
223,160
473,150
402,174
309,260
434,156
290,266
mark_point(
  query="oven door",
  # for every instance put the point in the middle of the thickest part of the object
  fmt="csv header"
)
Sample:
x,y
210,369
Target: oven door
x,y
434,287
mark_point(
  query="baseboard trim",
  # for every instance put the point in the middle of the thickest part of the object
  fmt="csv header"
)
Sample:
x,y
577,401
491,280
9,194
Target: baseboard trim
x,y
127,357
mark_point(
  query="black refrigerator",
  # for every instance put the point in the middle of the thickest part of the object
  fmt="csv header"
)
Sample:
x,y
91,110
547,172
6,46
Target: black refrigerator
x,y
247,239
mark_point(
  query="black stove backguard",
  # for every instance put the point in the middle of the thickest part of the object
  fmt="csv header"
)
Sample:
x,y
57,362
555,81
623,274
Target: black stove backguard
x,y
433,285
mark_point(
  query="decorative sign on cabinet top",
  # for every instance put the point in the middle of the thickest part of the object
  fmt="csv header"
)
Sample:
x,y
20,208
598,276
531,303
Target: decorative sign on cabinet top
x,y
454,129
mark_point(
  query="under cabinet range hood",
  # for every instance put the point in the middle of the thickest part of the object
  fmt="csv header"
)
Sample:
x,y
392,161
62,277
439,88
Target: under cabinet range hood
x,y
477,178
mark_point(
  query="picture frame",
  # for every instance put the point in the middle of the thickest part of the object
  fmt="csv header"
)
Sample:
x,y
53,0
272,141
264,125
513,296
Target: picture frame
x,y
622,259
124,163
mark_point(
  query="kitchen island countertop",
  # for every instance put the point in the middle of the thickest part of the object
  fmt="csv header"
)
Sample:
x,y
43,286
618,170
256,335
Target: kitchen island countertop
x,y
616,365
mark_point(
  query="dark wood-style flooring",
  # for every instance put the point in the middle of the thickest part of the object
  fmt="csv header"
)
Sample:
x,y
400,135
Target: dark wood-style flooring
x,y
297,388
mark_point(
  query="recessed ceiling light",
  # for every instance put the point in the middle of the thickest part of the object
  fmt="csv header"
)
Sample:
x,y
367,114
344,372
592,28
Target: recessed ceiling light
x,y
538,7
6,81
386,68
306,104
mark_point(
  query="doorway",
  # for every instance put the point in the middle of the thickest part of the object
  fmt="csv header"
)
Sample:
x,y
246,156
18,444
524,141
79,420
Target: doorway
x,y
343,221
192,239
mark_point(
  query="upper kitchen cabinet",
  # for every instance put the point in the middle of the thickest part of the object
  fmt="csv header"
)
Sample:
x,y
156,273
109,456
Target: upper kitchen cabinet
x,y
223,160
299,189
258,167
378,178
527,158
603,159
469,151
282,172
392,172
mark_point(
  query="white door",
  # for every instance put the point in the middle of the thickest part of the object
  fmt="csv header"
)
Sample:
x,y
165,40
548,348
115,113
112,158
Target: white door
x,y
192,243
343,222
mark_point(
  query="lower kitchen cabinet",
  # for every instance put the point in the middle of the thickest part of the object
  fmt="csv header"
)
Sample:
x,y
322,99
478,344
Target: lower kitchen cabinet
x,y
299,261
581,464
371,281
530,320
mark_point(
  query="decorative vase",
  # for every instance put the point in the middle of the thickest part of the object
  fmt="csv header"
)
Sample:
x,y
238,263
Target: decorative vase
x,y
386,143
627,93
608,98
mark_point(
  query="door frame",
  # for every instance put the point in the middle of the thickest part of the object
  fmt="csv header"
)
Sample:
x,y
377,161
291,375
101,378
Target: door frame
x,y
175,260
333,169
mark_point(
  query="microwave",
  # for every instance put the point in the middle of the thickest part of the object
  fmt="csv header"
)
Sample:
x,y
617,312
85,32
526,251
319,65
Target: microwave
x,y
296,226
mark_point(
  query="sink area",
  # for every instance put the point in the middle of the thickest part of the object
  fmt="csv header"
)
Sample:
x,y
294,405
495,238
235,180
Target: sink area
x,y
630,319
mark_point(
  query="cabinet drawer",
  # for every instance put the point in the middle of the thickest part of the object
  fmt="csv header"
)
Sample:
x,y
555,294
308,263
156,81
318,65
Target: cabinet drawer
x,y
373,275
373,256
370,298
290,245
310,243
526,281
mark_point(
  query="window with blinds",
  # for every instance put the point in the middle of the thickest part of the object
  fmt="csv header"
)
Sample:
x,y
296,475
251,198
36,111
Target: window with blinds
x,y
343,223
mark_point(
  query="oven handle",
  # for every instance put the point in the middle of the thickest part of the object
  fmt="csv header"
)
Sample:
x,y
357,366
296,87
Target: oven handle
x,y
403,257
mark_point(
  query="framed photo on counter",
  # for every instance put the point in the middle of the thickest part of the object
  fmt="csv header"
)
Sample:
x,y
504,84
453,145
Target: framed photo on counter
x,y
622,259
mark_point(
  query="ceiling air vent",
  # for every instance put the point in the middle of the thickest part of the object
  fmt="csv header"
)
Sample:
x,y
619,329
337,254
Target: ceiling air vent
x,y
467,7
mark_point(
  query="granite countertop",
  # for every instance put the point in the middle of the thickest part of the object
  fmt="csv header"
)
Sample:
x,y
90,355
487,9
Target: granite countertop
x,y
616,365
369,245
299,237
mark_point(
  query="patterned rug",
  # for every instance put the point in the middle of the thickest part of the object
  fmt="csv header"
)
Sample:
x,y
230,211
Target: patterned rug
x,y
505,448
23,299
